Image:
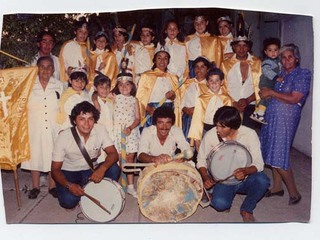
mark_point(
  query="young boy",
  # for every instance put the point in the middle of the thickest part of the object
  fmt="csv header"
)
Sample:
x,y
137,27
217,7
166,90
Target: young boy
x,y
202,43
270,70
103,104
74,53
206,106
73,95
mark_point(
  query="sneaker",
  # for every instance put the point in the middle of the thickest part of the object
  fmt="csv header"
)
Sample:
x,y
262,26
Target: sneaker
x,y
132,192
33,194
258,118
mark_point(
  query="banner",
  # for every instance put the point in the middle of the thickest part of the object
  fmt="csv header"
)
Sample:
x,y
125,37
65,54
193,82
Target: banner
x,y
15,87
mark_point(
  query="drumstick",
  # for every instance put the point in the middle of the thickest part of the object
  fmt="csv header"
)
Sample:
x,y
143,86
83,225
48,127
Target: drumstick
x,y
225,179
96,201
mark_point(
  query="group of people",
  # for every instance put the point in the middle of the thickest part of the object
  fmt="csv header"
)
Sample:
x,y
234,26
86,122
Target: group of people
x,y
160,99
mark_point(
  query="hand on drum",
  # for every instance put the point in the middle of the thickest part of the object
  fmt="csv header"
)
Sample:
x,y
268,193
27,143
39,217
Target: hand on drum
x,y
240,173
161,159
97,175
76,189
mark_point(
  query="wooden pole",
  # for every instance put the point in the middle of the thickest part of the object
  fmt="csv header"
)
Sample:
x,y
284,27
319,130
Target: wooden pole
x,y
16,183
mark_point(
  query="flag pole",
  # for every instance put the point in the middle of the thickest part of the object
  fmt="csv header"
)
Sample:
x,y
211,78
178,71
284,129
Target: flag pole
x,y
16,184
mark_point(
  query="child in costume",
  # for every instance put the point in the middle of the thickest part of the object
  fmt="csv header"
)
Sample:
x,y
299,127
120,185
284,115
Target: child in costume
x,y
127,120
202,43
102,59
226,37
73,95
172,41
206,106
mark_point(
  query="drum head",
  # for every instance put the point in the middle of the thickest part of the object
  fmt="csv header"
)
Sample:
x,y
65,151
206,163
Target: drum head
x,y
170,192
110,195
227,157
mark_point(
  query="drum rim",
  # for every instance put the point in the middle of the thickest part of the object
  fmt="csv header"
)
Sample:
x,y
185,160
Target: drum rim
x,y
122,194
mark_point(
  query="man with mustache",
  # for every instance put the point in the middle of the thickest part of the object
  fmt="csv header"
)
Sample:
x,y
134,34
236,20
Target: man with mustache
x,y
159,142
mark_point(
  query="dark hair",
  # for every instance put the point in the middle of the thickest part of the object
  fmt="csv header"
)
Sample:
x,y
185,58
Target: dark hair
x,y
125,34
228,117
163,34
163,112
79,24
43,33
215,71
101,79
84,107
105,35
206,62
45,58
248,42
155,56
116,88
76,75
269,41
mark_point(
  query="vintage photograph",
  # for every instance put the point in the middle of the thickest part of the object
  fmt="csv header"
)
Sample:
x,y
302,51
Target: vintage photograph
x,y
160,115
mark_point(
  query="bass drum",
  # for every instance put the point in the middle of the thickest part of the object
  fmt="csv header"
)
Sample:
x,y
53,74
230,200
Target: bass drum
x,y
169,192
111,196
225,158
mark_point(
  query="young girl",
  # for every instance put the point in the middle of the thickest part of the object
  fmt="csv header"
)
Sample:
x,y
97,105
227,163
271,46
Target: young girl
x,y
121,38
172,41
206,106
225,31
202,43
143,51
126,119
102,59
73,95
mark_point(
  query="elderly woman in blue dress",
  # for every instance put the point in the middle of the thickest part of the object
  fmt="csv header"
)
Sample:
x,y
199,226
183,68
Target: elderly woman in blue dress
x,y
283,115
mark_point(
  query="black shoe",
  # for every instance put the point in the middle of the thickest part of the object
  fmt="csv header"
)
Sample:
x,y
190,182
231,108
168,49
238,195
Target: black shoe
x,y
294,200
33,194
53,192
271,194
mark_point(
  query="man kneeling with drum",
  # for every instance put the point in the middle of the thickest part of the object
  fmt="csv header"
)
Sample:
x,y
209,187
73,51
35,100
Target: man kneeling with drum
x,y
70,169
232,145
159,142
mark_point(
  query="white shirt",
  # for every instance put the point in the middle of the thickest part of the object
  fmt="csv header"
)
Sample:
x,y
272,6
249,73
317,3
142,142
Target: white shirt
x,y
72,55
160,88
214,104
142,60
106,115
56,63
194,48
67,151
178,57
190,96
234,81
246,136
150,144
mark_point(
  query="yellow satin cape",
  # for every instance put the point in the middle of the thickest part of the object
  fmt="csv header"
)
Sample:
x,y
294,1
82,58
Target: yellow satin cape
x,y
196,127
145,87
111,69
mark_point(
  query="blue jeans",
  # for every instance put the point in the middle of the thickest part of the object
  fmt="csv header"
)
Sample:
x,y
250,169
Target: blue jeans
x,y
254,186
66,198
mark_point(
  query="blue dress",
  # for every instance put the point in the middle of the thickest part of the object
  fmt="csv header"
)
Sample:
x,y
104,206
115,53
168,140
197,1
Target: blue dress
x,y
276,137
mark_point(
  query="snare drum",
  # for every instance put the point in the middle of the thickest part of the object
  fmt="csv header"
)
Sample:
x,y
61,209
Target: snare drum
x,y
169,192
110,195
225,158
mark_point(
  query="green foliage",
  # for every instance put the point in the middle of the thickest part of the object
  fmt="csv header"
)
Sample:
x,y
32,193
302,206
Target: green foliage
x,y
19,33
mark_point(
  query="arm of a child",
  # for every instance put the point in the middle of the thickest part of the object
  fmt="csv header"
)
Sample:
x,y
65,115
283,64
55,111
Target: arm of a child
x,y
136,121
